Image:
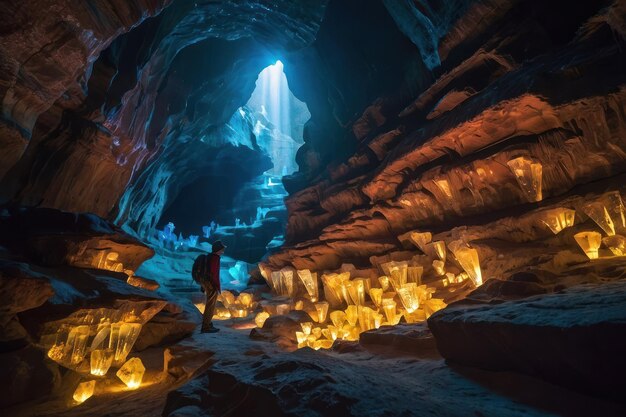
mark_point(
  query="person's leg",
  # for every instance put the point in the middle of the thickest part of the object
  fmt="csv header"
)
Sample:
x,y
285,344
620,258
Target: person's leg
x,y
209,308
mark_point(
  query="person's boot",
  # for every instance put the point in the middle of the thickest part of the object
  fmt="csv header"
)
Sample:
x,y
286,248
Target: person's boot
x,y
211,329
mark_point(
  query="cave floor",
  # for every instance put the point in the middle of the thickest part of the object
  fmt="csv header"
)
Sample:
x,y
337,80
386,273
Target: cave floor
x,y
348,381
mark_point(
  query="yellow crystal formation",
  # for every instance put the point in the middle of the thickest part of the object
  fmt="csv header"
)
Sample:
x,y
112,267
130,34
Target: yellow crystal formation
x,y
76,345
439,248
414,274
468,259
616,244
421,239
100,361
83,391
589,242
528,174
131,373
338,318
122,339
397,272
260,319
598,213
321,310
333,287
559,218
352,315
376,294
310,283
409,296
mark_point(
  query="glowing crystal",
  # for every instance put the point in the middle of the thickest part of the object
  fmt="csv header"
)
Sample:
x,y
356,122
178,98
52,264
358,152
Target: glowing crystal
x,y
397,273
439,248
310,283
414,274
356,291
100,361
421,239
322,344
260,318
76,344
409,296
333,285
322,311
444,187
245,299
528,175
237,310
433,305
376,294
616,244
306,327
227,298
131,373
599,214
301,337
389,307
330,332
416,316
83,391
468,259
338,318
352,315
439,267
613,203
559,218
317,332
589,242
366,318
122,339
384,282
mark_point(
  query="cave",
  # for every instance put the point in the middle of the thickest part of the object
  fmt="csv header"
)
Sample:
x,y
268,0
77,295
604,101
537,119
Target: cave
x,y
312,208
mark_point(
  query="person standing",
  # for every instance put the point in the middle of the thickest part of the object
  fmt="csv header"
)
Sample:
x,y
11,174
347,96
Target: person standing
x,y
206,272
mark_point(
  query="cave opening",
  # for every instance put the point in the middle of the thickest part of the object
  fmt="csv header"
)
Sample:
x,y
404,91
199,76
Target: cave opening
x,y
242,202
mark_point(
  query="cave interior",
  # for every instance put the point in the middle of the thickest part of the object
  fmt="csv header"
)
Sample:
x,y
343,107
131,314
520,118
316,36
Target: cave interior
x,y
420,202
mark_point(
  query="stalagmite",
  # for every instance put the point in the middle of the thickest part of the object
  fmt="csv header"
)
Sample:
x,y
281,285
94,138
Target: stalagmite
x,y
589,242
528,174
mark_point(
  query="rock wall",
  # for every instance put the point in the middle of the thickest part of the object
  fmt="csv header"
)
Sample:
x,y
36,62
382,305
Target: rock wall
x,y
516,82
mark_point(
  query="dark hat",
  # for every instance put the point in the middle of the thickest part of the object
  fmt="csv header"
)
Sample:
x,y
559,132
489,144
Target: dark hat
x,y
217,246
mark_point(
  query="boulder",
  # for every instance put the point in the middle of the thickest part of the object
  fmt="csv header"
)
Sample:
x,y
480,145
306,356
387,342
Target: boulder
x,y
26,375
404,338
575,338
